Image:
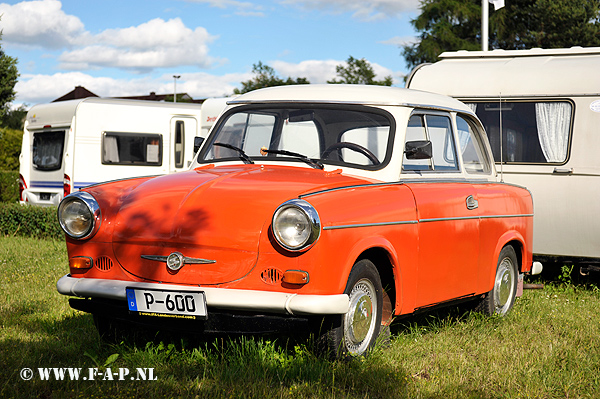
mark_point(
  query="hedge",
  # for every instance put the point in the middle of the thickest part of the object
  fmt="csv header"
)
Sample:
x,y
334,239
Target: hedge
x,y
29,221
9,186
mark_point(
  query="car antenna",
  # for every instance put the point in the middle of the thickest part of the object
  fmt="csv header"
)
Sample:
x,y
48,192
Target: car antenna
x,y
501,147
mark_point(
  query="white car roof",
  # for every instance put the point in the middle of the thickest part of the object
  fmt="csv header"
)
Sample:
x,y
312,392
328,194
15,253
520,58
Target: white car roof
x,y
351,94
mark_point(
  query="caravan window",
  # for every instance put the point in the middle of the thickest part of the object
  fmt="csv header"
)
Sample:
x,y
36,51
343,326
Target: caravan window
x,y
179,142
132,149
532,132
48,150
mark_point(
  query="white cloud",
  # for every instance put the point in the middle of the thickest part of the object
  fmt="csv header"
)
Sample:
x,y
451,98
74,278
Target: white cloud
x,y
401,41
36,89
243,8
321,71
40,24
315,71
154,44
364,10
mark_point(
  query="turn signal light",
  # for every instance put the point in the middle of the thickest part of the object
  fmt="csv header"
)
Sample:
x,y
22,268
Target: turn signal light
x,y
295,277
80,263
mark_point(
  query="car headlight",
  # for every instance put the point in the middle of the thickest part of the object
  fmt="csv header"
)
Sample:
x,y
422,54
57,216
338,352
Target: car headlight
x,y
296,225
79,215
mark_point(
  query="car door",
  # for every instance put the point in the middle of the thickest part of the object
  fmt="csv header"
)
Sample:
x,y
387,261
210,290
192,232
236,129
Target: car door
x,y
447,212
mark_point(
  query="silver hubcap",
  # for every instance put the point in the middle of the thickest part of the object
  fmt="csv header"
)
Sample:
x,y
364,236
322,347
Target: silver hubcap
x,y
503,290
359,322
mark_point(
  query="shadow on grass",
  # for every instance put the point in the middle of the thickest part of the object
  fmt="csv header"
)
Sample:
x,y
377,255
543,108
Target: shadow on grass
x,y
33,339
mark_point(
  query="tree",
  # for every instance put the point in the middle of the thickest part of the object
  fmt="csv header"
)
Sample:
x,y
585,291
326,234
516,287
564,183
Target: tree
x,y
15,118
265,77
10,148
450,25
359,71
8,80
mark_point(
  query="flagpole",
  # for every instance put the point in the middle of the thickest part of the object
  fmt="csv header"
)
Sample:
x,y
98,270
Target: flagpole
x,y
485,12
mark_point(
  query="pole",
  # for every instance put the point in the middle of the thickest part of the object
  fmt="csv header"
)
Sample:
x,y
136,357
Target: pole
x,y
175,77
485,14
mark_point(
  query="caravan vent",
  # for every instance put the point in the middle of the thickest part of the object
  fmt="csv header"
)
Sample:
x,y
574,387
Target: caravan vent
x,y
104,263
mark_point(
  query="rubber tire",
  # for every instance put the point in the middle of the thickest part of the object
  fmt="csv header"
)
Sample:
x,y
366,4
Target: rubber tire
x,y
364,285
501,298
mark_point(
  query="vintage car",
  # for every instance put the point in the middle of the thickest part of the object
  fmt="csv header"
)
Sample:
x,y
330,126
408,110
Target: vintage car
x,y
341,205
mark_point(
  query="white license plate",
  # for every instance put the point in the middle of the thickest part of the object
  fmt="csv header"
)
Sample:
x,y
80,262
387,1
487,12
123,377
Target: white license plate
x,y
164,303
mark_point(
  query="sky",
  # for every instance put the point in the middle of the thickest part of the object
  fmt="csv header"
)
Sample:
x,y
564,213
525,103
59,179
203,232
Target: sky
x,y
118,48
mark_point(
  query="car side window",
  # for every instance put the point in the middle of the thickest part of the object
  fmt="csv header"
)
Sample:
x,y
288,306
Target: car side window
x,y
438,130
471,147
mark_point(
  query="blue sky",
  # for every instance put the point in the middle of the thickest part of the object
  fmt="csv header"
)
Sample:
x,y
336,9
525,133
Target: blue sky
x,y
133,47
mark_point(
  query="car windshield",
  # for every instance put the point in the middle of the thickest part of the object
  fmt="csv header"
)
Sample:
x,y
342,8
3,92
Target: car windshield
x,y
355,137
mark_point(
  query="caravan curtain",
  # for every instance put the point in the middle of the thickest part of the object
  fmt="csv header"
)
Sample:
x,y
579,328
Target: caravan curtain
x,y
553,122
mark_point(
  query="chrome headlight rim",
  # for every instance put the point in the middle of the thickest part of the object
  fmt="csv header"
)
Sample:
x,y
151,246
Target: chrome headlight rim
x,y
312,217
92,206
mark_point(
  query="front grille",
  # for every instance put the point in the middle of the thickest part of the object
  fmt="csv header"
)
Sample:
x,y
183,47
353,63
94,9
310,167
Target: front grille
x,y
271,276
104,263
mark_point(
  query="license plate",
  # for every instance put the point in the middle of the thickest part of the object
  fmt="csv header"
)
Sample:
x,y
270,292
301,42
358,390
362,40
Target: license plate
x,y
165,303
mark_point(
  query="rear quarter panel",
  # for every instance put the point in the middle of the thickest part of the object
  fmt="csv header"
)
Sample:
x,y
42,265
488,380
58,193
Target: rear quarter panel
x,y
506,213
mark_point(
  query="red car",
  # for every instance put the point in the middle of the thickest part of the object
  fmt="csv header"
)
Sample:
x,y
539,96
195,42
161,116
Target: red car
x,y
340,205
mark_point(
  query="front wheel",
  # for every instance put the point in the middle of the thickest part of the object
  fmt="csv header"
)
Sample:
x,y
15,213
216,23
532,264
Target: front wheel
x,y
502,296
355,332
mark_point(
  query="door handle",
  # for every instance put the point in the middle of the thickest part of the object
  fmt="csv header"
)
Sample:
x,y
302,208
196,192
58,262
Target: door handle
x,y
472,203
563,171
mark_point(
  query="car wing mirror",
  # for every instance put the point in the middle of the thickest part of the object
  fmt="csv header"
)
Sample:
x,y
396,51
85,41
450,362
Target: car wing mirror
x,y
198,143
420,149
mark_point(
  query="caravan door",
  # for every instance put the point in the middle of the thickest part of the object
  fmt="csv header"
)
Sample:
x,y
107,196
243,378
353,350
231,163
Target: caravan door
x,y
181,146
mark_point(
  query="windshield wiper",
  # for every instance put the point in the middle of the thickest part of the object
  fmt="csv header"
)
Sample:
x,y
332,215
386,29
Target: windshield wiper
x,y
243,155
315,164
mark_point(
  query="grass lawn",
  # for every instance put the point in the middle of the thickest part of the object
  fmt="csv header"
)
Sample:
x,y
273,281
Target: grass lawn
x,y
547,347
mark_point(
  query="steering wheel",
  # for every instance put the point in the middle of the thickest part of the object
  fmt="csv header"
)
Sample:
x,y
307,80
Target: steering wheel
x,y
351,146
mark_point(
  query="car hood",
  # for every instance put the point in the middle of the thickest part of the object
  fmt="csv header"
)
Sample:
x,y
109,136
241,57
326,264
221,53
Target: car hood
x,y
216,214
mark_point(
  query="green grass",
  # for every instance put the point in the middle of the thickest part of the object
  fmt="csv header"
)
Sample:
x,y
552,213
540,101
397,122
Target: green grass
x,y
547,347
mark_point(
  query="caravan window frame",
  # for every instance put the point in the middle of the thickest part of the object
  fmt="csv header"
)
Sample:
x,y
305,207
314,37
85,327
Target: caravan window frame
x,y
494,144
146,136
57,155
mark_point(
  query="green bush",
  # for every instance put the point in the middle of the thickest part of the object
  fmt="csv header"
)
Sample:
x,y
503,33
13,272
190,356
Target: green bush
x,y
29,221
10,148
9,186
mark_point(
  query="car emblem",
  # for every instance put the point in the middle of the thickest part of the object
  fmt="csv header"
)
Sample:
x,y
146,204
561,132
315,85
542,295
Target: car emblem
x,y
176,260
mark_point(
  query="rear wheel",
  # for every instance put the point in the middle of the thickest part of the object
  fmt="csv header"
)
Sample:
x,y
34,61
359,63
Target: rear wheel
x,y
502,296
354,333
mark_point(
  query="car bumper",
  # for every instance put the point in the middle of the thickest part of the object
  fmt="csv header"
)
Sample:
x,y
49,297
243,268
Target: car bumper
x,y
220,298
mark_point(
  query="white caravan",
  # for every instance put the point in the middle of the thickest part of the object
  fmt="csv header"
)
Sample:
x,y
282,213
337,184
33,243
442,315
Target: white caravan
x,y
72,144
541,110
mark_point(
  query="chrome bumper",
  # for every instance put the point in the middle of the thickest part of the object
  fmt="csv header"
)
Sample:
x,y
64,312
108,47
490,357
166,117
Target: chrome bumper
x,y
222,298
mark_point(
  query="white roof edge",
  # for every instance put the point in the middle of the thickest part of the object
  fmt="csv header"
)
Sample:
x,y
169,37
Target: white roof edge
x,y
522,53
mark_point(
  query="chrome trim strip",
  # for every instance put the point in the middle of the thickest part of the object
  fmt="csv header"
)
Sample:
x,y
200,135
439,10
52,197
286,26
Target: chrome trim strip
x,y
222,298
474,217
351,226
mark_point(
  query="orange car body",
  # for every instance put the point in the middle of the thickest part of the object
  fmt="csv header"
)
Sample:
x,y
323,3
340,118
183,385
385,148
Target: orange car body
x,y
434,237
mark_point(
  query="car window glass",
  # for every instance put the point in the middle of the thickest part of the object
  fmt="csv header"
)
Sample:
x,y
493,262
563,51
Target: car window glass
x,y
302,137
415,131
471,147
355,137
372,138
442,140
438,130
